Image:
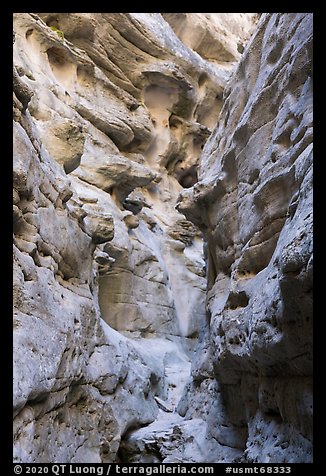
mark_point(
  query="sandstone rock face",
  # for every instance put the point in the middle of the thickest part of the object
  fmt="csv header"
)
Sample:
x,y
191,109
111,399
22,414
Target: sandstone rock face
x,y
217,37
68,364
117,298
252,373
111,112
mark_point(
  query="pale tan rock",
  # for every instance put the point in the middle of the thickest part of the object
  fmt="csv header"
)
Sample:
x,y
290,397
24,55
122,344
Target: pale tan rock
x,y
120,104
219,37
131,221
65,143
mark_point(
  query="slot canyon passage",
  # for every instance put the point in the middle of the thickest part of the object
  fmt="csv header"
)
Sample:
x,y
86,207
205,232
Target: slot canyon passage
x,y
162,207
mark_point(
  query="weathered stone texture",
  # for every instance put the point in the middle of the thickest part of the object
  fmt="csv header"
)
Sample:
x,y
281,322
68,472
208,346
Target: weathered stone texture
x,y
115,116
111,112
65,368
253,202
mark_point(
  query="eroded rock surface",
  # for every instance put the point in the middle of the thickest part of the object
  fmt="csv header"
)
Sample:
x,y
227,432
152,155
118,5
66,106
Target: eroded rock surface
x,y
111,112
252,374
112,286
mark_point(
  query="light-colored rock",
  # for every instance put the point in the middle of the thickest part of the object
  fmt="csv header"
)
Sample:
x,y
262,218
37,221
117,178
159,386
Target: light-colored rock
x,y
253,202
111,114
217,37
93,96
65,367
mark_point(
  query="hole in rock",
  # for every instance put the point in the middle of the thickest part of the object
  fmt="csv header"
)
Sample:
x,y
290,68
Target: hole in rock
x,y
63,69
189,178
237,299
186,176
133,206
52,21
257,257
202,79
56,56
240,47
28,33
160,96
126,453
41,397
174,122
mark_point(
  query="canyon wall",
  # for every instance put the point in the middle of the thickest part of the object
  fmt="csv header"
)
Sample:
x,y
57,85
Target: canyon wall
x,y
162,210
111,112
252,373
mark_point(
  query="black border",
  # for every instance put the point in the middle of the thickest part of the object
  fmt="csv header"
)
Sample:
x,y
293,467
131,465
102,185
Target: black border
x,y
6,200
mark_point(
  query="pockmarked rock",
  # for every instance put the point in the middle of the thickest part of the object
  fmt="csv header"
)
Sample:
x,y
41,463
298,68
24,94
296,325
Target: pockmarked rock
x,y
253,202
119,294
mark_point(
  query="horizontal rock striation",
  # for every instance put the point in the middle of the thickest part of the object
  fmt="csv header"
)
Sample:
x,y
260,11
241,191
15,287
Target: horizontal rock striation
x,y
252,373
